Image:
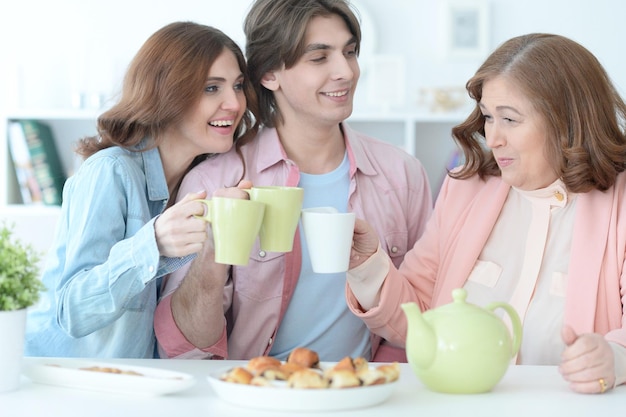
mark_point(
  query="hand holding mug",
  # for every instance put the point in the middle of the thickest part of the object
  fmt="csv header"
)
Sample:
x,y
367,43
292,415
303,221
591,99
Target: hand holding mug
x,y
177,231
364,243
235,224
328,235
235,192
282,212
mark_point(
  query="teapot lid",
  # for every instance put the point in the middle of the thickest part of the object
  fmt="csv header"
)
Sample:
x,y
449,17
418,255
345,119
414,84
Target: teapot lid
x,y
459,296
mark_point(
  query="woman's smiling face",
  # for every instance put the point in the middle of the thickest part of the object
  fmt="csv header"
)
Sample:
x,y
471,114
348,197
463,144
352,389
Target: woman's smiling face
x,y
515,132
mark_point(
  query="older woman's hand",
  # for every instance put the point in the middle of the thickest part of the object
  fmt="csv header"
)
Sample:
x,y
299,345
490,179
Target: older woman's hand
x,y
587,362
364,243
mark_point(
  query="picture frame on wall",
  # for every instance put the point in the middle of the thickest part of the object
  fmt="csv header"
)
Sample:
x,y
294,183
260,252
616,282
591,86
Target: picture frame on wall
x,y
386,84
466,28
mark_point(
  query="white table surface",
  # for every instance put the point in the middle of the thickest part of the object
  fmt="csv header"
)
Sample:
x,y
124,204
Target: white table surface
x,y
524,391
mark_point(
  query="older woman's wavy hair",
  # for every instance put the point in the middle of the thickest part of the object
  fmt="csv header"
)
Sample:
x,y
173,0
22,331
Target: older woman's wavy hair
x,y
582,110
165,79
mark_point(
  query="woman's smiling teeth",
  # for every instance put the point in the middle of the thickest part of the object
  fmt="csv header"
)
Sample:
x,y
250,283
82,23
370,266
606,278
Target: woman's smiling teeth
x,y
337,93
221,123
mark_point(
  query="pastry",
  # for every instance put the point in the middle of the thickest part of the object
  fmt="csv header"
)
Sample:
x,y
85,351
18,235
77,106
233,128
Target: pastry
x,y
350,364
274,374
391,371
371,376
260,364
346,363
307,378
361,364
342,378
237,375
283,372
260,381
305,357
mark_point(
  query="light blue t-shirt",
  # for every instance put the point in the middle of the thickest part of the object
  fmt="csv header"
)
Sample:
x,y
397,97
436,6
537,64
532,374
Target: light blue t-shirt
x,y
317,316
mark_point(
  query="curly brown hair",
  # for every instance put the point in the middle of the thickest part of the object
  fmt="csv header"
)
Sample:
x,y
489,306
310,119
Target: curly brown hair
x,y
582,110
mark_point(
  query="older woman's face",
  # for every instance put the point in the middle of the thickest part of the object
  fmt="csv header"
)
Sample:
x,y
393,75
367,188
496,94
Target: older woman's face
x,y
516,135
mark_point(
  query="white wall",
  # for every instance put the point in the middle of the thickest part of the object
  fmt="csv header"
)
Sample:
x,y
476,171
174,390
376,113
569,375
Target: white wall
x,y
413,28
52,49
55,47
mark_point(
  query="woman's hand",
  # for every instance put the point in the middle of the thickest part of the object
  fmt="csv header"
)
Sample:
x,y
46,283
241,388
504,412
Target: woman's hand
x,y
364,243
587,362
178,232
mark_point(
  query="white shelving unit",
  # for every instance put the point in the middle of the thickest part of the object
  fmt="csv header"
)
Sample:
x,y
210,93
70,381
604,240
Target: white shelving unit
x,y
67,125
35,224
427,136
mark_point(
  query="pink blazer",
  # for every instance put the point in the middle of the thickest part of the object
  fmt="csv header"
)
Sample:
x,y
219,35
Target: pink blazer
x,y
465,213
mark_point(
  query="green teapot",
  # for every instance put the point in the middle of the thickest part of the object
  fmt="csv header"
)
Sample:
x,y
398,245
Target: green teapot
x,y
461,348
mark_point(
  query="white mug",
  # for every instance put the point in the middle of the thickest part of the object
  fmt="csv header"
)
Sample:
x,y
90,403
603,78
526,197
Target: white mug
x,y
328,235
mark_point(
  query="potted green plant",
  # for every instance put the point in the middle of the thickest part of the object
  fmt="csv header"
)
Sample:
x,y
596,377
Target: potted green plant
x,y
20,288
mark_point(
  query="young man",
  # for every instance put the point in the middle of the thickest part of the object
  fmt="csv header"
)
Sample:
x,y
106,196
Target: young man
x,y
302,57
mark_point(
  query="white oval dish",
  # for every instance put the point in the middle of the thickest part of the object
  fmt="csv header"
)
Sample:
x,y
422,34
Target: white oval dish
x,y
282,398
68,373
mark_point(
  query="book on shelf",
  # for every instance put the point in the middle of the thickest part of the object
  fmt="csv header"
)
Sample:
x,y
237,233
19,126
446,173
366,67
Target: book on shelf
x,y
36,160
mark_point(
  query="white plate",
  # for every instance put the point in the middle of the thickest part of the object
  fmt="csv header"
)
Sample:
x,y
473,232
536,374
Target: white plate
x,y
68,373
282,398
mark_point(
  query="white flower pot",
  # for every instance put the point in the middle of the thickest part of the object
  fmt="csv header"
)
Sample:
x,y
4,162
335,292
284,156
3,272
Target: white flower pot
x,y
12,329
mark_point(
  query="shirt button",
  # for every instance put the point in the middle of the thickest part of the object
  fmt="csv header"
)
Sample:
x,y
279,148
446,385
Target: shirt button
x,y
151,269
262,253
394,249
271,341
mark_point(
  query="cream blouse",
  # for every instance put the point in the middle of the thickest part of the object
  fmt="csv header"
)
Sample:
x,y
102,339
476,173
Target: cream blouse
x,y
531,274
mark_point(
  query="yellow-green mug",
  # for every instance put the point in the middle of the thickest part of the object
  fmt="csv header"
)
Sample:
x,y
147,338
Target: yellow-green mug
x,y
235,223
282,213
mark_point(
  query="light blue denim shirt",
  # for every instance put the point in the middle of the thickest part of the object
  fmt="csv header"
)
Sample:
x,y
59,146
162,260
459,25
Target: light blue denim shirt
x,y
102,271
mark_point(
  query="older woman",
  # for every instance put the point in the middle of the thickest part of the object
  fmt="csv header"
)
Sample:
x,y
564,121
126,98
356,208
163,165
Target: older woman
x,y
536,216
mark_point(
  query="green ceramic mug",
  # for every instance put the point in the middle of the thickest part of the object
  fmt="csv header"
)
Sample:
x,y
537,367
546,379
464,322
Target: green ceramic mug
x,y
282,213
236,224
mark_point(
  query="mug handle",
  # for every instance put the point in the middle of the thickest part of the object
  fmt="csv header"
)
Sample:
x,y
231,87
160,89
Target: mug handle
x,y
515,321
207,214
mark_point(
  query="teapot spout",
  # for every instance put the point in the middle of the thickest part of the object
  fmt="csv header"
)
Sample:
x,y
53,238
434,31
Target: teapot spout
x,y
421,341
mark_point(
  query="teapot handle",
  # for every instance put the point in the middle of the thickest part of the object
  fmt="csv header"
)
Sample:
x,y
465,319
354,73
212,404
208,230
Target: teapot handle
x,y
515,321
